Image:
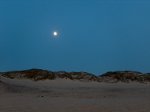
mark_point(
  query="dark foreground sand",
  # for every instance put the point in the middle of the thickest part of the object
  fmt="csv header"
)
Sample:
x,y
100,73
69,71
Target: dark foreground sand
x,y
73,96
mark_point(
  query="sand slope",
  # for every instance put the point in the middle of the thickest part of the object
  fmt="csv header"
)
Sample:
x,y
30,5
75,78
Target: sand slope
x,y
63,95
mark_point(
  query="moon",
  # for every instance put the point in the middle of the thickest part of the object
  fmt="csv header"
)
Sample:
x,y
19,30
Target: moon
x,y
55,33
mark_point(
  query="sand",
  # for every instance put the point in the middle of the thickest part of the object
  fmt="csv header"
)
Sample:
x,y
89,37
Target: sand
x,y
63,95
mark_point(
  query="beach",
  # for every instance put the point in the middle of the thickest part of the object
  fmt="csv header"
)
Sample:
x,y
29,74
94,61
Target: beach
x,y
63,95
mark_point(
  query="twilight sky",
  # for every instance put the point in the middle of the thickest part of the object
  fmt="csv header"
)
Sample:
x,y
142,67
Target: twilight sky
x,y
94,35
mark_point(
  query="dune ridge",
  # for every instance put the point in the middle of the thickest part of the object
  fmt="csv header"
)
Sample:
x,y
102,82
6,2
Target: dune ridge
x,y
116,76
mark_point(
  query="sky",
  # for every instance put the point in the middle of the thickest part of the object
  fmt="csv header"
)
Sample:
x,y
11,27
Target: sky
x,y
95,36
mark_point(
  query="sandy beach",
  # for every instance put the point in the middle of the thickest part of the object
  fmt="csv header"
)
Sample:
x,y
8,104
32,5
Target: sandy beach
x,y
63,95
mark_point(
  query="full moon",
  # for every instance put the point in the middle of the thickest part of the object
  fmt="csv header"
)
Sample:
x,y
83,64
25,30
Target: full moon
x,y
55,33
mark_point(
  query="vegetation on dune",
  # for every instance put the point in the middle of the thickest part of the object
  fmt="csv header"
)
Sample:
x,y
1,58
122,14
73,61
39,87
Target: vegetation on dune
x,y
39,74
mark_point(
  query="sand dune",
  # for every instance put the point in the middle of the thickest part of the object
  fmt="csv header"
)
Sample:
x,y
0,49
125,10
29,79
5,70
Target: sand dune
x,y
63,95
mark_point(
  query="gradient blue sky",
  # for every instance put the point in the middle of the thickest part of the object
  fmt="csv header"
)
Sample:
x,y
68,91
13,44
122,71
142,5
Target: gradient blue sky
x,y
95,35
